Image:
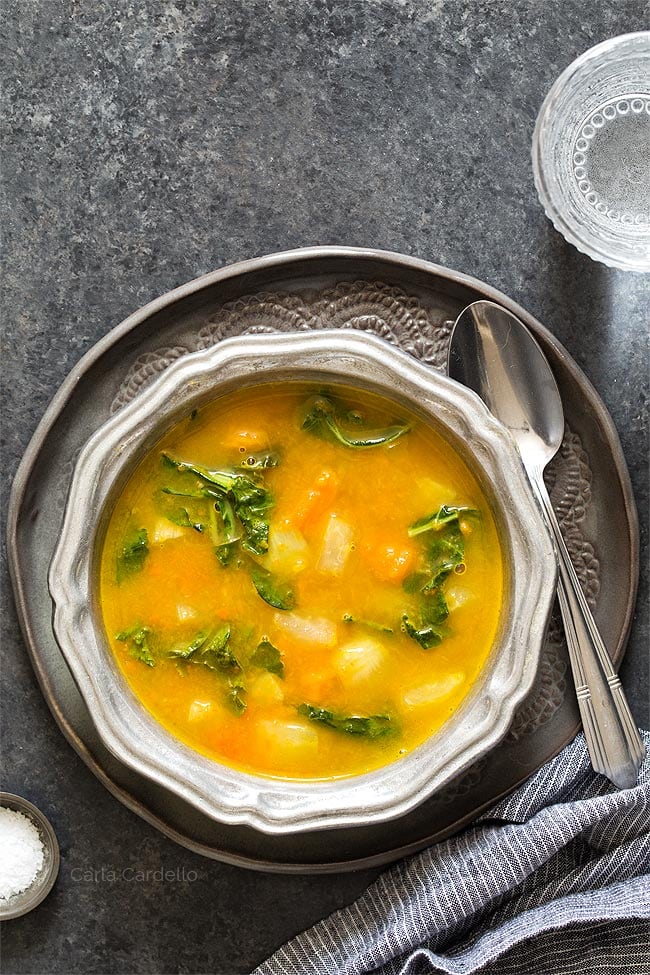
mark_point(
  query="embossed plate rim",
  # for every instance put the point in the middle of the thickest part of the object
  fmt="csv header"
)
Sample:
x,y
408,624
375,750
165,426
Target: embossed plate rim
x,y
353,256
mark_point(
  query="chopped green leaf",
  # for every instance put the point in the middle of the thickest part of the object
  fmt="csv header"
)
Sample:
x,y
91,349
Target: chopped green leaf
x,y
426,634
443,516
187,509
429,632
435,609
257,531
444,551
268,658
325,420
133,554
199,495
209,649
185,651
137,640
225,481
225,552
347,618
271,590
230,529
444,548
181,517
226,536
235,696
416,581
215,652
373,726
241,502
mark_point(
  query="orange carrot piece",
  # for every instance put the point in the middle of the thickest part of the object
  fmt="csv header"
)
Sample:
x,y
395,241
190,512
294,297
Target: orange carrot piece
x,y
389,561
316,501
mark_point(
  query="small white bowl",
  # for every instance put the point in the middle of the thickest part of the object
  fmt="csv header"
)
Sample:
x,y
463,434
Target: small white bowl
x,y
286,806
28,899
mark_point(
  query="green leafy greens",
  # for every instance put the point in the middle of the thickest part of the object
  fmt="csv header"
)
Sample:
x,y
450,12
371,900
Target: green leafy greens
x,y
183,519
235,696
213,650
370,624
429,631
443,553
241,502
210,649
374,726
445,515
268,657
326,419
137,640
133,553
444,548
232,533
271,590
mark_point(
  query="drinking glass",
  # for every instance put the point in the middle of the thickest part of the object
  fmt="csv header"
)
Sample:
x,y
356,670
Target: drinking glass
x,y
591,152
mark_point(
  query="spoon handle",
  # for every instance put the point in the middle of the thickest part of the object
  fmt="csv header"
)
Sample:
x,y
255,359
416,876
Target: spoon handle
x,y
613,740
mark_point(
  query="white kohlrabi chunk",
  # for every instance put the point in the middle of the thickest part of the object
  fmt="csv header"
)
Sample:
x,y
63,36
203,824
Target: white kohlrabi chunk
x,y
199,710
289,737
425,694
457,596
430,495
308,628
165,531
288,551
359,661
266,690
337,545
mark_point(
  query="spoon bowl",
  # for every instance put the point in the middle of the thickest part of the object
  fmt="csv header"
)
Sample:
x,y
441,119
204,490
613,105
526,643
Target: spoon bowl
x,y
495,355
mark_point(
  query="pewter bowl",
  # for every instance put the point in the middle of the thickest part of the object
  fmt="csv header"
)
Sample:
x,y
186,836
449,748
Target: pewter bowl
x,y
286,806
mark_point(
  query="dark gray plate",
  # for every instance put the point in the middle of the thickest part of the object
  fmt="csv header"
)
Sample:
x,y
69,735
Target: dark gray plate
x,y
411,303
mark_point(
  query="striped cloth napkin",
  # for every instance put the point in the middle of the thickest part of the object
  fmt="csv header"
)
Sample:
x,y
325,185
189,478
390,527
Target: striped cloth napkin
x,y
554,879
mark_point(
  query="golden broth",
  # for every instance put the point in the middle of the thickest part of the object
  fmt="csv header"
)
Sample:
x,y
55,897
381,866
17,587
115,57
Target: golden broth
x,y
298,689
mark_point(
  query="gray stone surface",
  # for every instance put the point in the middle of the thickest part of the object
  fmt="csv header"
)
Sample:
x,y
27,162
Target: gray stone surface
x,y
152,141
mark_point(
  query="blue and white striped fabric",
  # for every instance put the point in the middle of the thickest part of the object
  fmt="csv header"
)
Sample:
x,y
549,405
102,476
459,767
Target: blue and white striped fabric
x,y
554,879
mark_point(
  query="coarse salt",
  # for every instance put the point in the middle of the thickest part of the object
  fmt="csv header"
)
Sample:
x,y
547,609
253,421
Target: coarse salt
x,y
21,853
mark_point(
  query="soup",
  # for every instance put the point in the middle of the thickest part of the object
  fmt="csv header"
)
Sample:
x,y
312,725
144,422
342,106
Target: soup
x,y
301,582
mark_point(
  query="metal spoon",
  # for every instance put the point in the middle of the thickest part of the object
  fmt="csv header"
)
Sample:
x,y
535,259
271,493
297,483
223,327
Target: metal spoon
x,y
494,354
